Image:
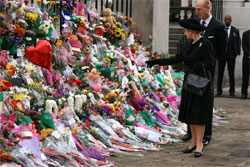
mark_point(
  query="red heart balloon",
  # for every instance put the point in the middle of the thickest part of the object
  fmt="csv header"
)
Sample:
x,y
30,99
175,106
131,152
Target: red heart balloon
x,y
40,55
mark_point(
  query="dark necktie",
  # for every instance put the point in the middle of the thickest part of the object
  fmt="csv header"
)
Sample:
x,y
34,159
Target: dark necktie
x,y
204,24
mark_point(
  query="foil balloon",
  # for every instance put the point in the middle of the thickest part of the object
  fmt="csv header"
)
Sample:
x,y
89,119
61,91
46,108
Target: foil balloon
x,y
41,54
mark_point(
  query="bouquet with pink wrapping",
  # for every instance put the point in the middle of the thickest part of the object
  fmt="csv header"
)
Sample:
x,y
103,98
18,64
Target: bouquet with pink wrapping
x,y
94,80
136,101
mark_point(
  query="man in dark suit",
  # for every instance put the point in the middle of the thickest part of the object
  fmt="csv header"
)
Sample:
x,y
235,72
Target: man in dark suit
x,y
245,63
233,49
216,34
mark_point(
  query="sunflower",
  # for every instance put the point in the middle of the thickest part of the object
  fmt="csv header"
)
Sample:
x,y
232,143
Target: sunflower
x,y
118,32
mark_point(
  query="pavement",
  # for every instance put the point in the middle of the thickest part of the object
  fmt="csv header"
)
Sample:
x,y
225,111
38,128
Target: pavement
x,y
230,146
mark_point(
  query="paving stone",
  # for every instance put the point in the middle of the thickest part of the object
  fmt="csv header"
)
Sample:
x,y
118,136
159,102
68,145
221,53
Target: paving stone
x,y
240,153
237,145
230,145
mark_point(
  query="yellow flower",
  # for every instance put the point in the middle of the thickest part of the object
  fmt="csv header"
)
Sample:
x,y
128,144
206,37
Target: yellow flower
x,y
75,129
167,79
19,106
2,15
122,35
117,32
20,10
137,92
75,37
32,17
106,59
59,43
83,22
85,92
56,18
17,97
118,24
117,84
135,44
45,133
38,1
52,3
112,108
10,70
52,26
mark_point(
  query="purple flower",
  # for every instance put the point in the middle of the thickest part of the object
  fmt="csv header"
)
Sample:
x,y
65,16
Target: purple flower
x,y
125,29
106,109
59,92
91,152
22,160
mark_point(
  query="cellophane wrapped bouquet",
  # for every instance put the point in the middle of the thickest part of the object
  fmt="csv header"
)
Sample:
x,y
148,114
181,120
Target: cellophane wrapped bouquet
x,y
75,94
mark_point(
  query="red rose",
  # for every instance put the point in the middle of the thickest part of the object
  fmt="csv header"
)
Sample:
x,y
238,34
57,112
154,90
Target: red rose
x,y
99,31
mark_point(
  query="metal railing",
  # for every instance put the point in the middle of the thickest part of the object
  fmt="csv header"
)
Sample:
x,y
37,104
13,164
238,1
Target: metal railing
x,y
124,7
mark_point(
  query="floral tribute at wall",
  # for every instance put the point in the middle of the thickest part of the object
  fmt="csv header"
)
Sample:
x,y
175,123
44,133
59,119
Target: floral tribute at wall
x,y
77,96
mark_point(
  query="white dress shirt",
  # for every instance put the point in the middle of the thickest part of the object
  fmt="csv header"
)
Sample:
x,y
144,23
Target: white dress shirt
x,y
228,30
206,21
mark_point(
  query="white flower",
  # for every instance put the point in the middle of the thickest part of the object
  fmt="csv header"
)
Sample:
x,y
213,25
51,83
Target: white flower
x,y
22,22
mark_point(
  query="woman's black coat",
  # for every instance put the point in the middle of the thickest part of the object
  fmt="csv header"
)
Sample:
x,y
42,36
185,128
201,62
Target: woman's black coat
x,y
194,109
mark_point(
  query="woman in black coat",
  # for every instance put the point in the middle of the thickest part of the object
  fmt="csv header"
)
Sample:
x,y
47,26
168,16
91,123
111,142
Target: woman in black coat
x,y
197,56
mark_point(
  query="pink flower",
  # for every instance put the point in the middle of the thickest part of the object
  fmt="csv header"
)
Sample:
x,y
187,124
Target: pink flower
x,y
3,31
108,30
12,118
3,118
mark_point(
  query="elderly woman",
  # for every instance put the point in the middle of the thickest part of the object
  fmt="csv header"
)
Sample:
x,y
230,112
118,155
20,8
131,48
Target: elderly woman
x,y
197,56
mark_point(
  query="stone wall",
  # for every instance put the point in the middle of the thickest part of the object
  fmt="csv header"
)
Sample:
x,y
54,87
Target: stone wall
x,y
143,17
152,18
161,25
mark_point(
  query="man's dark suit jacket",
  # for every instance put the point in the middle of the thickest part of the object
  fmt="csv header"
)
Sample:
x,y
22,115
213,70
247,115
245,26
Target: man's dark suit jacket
x,y
246,43
216,34
234,43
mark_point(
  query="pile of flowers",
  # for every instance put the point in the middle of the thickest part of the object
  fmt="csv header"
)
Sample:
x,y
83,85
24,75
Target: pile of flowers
x,y
75,98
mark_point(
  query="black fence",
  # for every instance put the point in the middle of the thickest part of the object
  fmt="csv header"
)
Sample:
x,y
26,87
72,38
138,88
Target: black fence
x,y
118,6
124,7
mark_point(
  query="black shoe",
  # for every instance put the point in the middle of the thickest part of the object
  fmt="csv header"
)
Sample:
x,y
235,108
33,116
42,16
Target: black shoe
x,y
232,94
206,142
198,154
187,150
243,96
186,137
218,94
